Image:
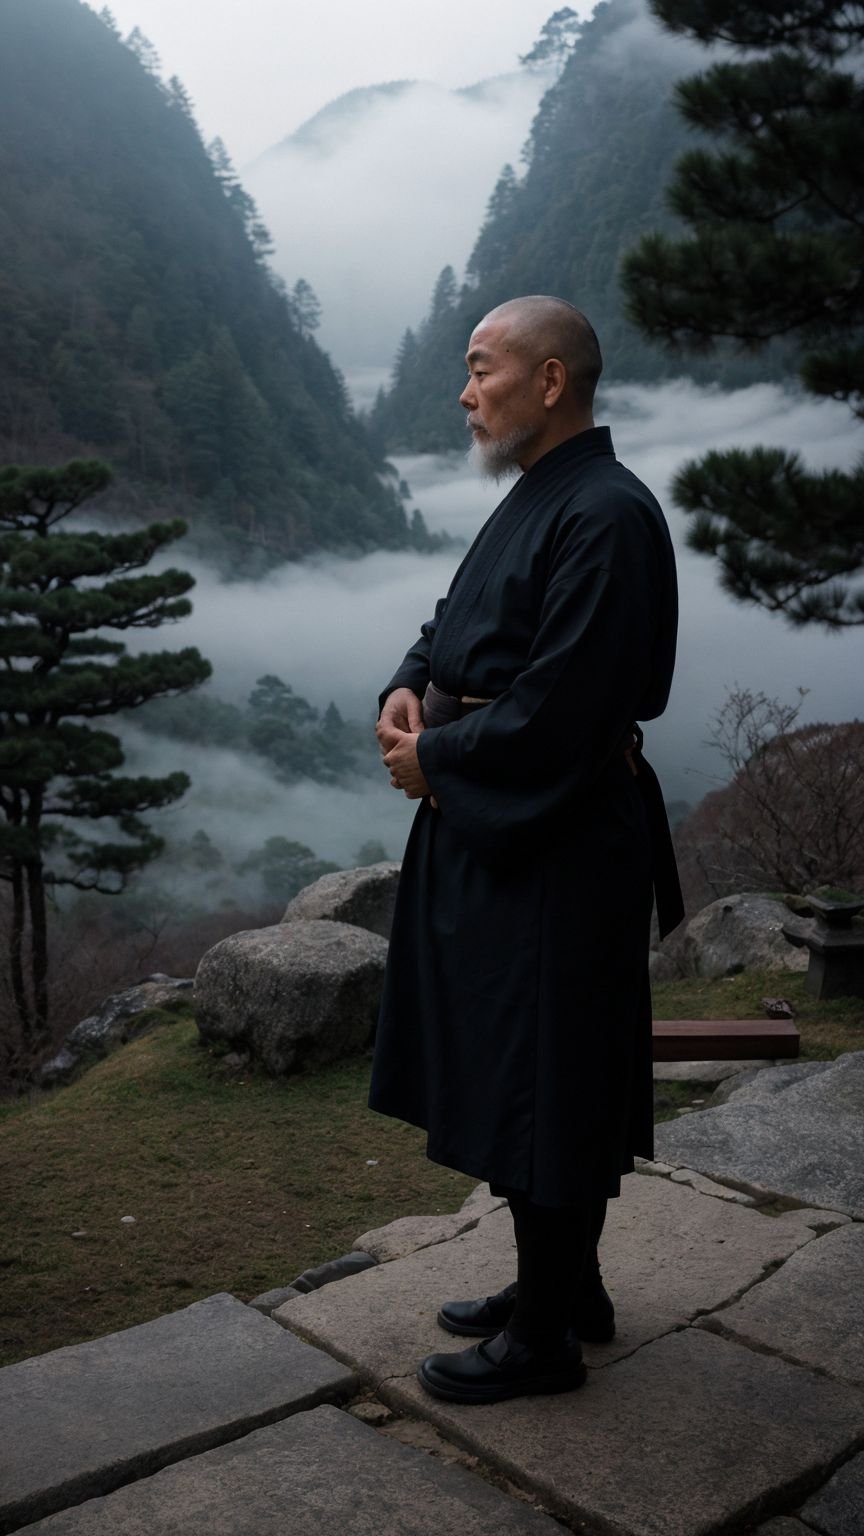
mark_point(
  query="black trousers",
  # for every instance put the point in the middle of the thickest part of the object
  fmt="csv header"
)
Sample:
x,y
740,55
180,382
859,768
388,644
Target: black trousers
x,y
556,1248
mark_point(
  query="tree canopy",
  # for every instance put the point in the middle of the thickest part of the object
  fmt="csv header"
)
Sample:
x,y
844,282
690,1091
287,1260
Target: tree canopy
x,y
63,595
775,249
139,319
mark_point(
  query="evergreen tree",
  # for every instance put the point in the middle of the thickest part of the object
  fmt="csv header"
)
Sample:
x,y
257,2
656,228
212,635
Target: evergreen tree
x,y
557,36
444,295
490,251
776,249
305,308
179,98
59,592
371,852
284,868
145,52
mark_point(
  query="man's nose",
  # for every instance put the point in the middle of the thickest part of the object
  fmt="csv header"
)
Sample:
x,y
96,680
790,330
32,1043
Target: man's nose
x,y
468,398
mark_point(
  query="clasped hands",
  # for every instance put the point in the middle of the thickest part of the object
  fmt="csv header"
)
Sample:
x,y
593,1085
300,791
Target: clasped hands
x,y
398,729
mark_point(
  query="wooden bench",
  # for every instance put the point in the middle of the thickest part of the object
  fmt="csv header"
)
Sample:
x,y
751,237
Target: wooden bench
x,y
724,1039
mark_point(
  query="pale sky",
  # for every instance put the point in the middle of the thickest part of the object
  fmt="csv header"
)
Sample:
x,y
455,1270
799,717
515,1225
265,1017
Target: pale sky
x,y
256,69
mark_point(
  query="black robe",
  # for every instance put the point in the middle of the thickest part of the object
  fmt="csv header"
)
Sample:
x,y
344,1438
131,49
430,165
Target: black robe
x,y
515,1023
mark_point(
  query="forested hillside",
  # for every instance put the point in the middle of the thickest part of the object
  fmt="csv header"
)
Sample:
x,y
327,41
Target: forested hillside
x,y
139,320
599,157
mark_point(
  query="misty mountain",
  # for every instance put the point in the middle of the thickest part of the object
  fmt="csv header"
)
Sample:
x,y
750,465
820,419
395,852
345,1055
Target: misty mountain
x,y
326,130
371,196
140,321
599,157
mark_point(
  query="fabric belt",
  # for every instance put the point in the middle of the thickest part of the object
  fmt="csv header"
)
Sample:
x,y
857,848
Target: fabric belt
x,y
664,867
440,708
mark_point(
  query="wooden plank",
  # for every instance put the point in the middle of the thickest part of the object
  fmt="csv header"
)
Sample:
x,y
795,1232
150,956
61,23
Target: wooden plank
x,y
724,1039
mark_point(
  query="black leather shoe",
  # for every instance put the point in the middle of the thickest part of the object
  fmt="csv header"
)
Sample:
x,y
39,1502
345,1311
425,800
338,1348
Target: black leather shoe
x,y
501,1367
593,1315
479,1319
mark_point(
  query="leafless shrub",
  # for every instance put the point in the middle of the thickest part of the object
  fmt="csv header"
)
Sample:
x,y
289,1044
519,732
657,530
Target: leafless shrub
x,y
792,817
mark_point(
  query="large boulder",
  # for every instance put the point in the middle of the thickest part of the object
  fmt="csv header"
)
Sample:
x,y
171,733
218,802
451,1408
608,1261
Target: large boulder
x,y
745,933
792,1131
363,897
296,995
123,1016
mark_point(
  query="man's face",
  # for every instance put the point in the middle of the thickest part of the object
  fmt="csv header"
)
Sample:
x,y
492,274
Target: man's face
x,y
503,398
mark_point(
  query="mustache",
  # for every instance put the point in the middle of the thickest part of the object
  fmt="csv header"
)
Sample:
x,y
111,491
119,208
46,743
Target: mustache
x,y
475,425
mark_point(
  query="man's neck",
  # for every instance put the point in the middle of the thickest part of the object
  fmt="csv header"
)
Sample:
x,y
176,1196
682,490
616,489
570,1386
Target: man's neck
x,y
553,438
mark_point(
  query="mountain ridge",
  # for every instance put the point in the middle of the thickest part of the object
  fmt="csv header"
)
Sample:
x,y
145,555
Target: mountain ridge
x,y
141,323
599,158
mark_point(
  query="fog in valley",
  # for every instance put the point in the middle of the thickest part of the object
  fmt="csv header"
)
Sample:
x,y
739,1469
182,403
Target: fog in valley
x,y
336,629
372,166
393,185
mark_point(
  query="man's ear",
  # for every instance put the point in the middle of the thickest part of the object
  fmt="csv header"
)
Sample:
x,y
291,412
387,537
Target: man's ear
x,y
554,381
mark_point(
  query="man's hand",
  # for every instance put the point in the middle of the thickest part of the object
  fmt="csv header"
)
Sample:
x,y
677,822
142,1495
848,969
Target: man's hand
x,y
402,712
405,771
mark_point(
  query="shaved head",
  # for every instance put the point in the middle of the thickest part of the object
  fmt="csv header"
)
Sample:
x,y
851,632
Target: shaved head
x,y
540,326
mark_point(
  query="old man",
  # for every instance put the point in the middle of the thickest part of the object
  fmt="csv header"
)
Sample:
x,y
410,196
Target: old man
x,y
516,1019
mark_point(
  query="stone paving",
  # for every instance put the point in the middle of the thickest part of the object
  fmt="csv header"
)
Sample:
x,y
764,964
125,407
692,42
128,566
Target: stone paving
x,y
731,1400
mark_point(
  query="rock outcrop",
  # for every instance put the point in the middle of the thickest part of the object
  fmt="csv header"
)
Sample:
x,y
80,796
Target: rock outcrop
x,y
742,933
363,897
123,1016
295,995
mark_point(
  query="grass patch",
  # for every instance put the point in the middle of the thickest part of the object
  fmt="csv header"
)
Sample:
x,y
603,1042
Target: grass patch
x,y
237,1182
827,1029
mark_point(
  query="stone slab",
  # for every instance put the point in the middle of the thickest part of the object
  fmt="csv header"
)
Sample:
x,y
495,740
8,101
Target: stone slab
x,y
481,1202
84,1419
268,1301
784,1525
331,1271
838,1508
702,1071
314,1475
705,1186
798,1136
690,1436
408,1234
668,1253
811,1310
755,1087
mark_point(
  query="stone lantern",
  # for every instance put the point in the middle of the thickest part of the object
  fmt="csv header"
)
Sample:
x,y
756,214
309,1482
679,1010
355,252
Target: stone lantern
x,y
836,946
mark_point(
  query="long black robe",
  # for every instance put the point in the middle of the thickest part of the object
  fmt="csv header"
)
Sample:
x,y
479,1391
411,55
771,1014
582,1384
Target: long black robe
x,y
515,1023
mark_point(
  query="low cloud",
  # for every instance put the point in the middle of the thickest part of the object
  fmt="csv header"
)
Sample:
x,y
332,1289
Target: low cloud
x,y
337,628
384,193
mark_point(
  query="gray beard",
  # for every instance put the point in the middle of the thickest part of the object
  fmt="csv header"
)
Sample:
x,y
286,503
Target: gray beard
x,y
497,458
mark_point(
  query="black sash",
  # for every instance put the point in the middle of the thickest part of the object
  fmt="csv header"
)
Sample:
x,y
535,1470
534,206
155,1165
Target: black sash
x,y
664,868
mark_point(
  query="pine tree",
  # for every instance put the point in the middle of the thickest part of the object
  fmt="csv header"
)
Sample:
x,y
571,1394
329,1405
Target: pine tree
x,y
444,296
305,308
145,51
557,36
776,249
179,98
59,592
108,19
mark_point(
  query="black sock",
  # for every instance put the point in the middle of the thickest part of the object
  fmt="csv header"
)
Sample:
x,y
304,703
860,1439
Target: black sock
x,y
551,1244
589,1277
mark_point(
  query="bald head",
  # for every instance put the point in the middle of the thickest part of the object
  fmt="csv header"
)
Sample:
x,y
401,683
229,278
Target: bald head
x,y
540,326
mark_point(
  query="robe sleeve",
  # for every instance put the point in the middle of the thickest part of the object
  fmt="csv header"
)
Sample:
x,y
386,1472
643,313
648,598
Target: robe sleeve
x,y
504,774
413,671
